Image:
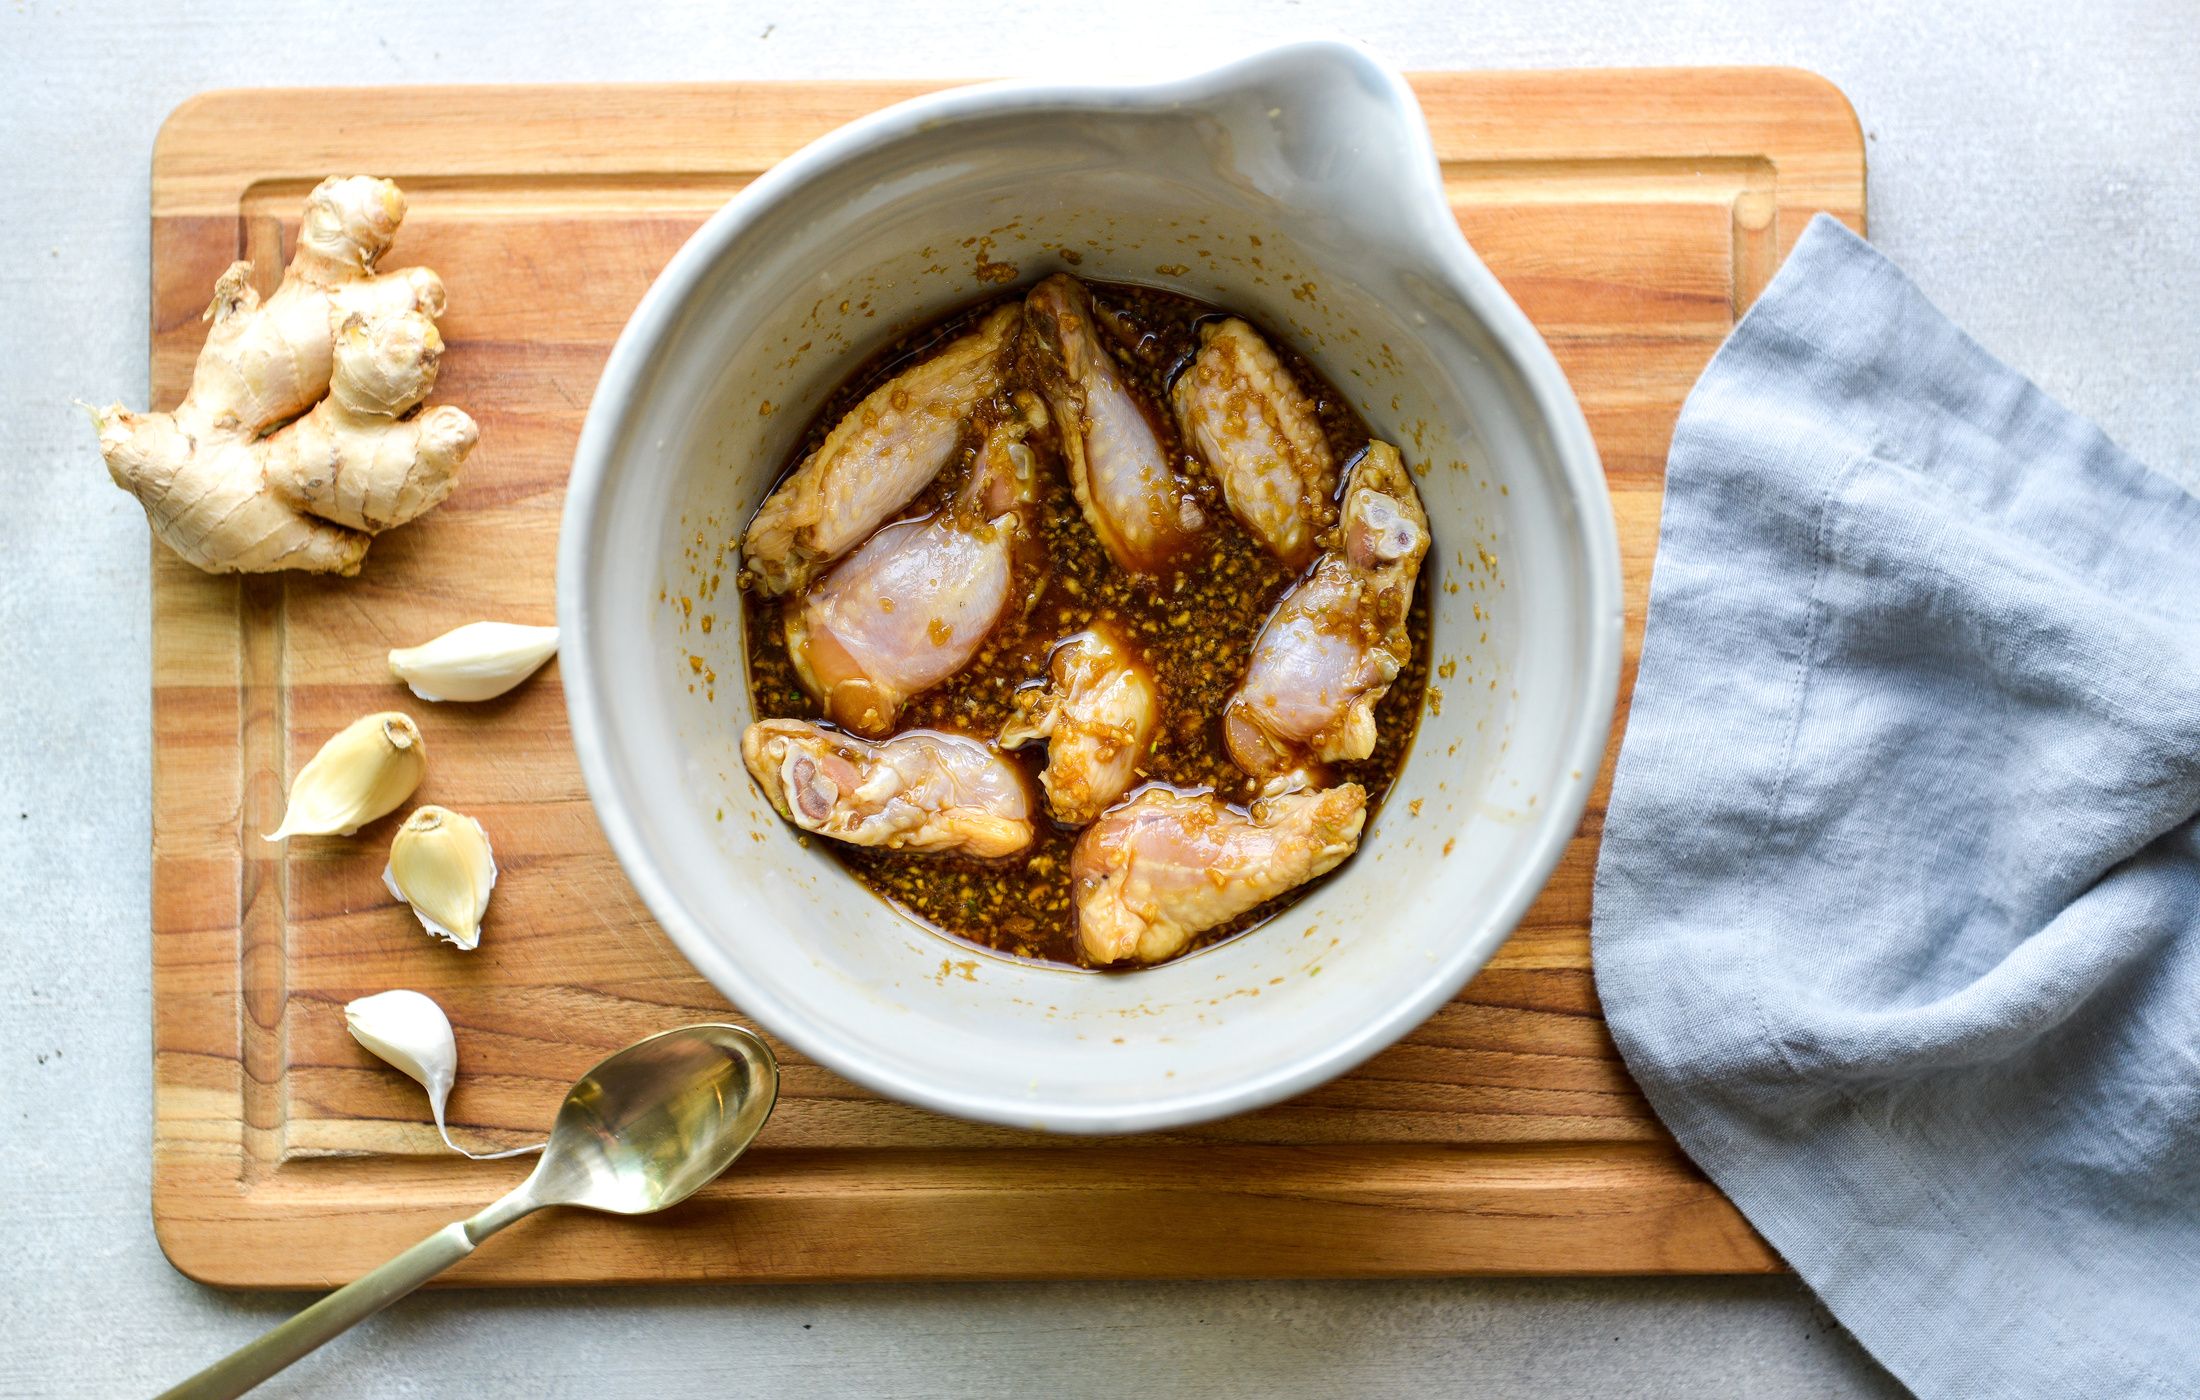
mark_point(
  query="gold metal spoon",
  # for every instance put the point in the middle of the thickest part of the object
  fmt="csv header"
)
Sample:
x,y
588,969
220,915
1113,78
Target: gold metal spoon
x,y
643,1130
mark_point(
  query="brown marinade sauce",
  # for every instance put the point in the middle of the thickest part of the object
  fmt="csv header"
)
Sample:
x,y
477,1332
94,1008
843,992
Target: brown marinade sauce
x,y
1197,626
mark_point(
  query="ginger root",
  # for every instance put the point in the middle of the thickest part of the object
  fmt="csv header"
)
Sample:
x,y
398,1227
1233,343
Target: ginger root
x,y
235,479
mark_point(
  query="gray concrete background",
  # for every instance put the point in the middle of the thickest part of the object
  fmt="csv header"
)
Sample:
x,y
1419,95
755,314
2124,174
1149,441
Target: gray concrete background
x,y
2035,164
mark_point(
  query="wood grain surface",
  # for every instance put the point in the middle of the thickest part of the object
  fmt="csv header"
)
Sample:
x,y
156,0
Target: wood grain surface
x,y
1633,214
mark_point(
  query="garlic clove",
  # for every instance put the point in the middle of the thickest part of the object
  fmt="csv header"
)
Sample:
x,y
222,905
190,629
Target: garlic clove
x,y
411,1032
366,771
441,865
479,661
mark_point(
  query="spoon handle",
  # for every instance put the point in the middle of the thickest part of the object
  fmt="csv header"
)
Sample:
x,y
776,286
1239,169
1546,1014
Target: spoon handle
x,y
353,1303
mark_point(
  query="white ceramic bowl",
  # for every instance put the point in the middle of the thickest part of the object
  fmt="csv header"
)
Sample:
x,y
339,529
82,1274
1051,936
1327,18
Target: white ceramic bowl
x,y
1297,185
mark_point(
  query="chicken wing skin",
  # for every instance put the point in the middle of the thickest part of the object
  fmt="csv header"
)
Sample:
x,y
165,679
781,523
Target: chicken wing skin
x,y
1256,430
1097,714
911,608
1337,639
876,459
1166,865
1134,499
920,791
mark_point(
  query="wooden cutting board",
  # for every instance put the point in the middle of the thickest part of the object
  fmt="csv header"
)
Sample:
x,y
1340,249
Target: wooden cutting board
x,y
1632,214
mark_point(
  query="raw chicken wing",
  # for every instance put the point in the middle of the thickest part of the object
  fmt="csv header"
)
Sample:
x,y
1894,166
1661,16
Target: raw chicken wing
x,y
919,791
1097,714
1335,642
876,459
912,607
1135,501
1256,430
1167,865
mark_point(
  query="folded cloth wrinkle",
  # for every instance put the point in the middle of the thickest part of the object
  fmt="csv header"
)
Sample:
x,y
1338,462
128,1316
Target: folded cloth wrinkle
x,y
1897,915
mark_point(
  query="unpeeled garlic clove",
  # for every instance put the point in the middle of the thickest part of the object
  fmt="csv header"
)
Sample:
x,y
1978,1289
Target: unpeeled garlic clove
x,y
479,661
366,771
412,1033
441,865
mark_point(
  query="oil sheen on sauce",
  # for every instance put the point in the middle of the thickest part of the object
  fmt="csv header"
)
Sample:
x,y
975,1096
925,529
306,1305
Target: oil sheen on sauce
x,y
1196,625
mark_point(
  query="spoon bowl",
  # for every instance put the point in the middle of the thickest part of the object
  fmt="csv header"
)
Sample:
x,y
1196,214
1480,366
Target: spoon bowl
x,y
647,1128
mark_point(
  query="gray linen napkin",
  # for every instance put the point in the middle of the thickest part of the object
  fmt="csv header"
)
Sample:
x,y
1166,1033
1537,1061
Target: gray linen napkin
x,y
1898,913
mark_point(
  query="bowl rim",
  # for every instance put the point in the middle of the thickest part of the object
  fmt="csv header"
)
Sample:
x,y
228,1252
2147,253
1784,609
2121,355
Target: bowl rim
x,y
1463,276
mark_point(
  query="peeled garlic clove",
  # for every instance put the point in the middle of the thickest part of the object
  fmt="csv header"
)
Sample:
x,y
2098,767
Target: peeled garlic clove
x,y
479,661
366,771
441,865
412,1033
